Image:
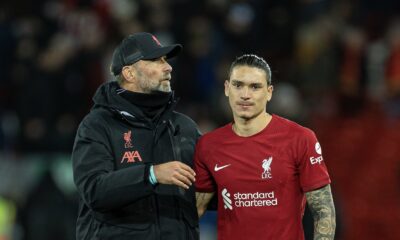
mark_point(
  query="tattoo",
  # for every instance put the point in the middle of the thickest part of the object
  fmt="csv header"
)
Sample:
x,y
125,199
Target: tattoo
x,y
202,200
200,197
322,208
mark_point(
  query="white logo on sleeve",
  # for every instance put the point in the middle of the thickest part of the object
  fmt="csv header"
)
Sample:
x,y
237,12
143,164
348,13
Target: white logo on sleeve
x,y
226,196
216,168
318,148
319,159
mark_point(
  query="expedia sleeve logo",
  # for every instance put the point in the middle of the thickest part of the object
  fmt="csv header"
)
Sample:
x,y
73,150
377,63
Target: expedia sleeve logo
x,y
318,148
319,159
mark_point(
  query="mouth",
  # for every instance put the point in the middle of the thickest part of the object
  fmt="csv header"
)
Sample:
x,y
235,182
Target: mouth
x,y
167,77
245,104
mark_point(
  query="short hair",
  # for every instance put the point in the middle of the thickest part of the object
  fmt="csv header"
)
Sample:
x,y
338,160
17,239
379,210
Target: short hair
x,y
119,79
252,60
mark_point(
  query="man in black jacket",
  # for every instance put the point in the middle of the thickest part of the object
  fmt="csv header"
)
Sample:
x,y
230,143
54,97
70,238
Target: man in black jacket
x,y
132,157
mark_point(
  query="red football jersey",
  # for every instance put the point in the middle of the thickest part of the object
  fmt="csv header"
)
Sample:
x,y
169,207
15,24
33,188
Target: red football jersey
x,y
260,180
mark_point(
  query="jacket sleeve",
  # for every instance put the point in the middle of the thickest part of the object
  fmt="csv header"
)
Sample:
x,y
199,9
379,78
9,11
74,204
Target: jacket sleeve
x,y
101,187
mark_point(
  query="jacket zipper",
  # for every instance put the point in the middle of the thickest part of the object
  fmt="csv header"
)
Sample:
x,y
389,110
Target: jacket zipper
x,y
155,199
176,152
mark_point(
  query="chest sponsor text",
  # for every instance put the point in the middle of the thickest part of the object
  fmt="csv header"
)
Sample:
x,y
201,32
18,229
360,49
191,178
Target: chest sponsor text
x,y
257,199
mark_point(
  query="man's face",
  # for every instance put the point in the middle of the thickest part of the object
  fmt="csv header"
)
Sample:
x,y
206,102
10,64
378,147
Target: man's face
x,y
248,91
153,75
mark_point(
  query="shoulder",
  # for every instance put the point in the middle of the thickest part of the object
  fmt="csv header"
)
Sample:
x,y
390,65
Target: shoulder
x,y
181,118
186,125
292,128
95,121
212,141
96,116
216,136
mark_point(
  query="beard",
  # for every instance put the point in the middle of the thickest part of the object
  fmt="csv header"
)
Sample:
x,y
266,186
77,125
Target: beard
x,y
164,86
149,86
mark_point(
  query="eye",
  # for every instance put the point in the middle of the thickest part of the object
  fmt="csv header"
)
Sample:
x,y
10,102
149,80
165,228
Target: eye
x,y
255,86
236,84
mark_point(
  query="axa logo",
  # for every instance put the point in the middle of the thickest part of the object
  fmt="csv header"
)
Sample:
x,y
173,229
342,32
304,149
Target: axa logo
x,y
226,197
131,157
128,139
266,165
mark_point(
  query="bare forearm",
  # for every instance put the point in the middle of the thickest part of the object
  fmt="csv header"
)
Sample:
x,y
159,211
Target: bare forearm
x,y
202,200
323,210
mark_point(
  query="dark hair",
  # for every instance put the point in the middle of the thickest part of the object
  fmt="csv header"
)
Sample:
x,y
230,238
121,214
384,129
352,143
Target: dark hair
x,y
252,60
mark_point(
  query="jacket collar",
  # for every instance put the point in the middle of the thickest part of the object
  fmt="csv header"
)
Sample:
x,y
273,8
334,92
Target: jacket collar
x,y
106,96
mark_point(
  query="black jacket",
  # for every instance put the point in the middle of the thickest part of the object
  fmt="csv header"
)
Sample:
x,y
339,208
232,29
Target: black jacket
x,y
114,147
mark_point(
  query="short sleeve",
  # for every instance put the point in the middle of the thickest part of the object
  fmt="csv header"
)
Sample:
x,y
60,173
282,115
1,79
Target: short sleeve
x,y
312,169
204,180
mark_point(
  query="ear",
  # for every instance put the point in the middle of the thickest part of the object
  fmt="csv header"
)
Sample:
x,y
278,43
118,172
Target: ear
x,y
270,90
226,84
128,73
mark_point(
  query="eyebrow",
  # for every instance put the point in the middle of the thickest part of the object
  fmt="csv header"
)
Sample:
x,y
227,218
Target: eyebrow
x,y
251,83
236,81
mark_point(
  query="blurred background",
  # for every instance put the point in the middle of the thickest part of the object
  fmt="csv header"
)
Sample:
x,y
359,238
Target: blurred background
x,y
335,67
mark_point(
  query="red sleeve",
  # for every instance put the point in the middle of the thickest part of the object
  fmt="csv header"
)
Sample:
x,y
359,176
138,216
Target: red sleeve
x,y
312,168
204,180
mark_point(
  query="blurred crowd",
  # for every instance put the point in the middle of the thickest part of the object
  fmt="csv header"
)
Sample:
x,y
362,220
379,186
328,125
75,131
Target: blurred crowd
x,y
335,68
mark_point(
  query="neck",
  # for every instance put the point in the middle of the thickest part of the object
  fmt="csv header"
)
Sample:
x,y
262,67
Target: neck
x,y
249,127
151,104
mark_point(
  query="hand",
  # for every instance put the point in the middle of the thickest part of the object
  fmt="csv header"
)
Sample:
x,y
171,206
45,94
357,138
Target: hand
x,y
174,173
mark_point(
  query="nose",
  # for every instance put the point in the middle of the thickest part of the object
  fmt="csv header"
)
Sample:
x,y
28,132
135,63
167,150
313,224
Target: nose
x,y
245,93
167,67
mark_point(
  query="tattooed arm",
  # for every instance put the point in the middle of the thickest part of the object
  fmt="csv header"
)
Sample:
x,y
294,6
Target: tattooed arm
x,y
322,208
202,200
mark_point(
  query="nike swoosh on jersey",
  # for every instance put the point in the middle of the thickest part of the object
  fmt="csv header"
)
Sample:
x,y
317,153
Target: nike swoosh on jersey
x,y
216,168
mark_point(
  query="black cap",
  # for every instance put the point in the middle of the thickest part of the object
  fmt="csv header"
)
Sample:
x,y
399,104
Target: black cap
x,y
140,46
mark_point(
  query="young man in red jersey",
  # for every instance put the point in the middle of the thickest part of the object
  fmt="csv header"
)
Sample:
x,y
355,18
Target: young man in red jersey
x,y
263,167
